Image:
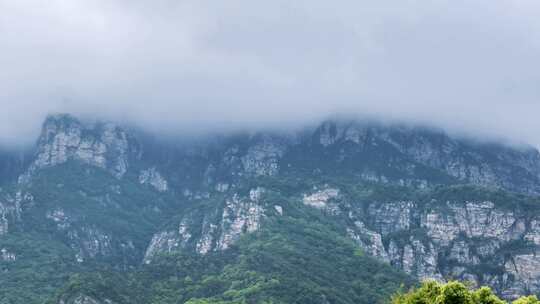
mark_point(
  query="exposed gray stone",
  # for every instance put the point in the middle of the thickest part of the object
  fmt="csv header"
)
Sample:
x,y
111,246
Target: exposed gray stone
x,y
263,157
64,138
153,178
447,240
322,199
7,256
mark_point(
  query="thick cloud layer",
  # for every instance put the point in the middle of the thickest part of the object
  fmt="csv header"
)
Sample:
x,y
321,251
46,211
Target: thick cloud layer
x,y
186,66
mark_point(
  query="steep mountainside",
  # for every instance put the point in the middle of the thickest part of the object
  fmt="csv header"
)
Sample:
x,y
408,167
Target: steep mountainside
x,y
264,216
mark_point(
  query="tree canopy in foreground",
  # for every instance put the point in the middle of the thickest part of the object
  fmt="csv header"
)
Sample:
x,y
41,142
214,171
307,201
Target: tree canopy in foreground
x,y
454,292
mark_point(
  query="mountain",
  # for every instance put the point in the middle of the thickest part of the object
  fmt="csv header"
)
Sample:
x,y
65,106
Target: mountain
x,y
345,212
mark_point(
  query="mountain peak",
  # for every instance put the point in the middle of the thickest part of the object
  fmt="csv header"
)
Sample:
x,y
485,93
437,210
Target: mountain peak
x,y
60,117
64,138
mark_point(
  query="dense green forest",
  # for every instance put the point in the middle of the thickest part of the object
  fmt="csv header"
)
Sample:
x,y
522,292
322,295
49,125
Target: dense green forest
x,y
292,261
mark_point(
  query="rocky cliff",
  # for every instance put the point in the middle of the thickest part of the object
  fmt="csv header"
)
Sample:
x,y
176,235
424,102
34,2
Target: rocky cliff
x,y
468,239
484,164
400,155
480,241
486,243
64,138
112,195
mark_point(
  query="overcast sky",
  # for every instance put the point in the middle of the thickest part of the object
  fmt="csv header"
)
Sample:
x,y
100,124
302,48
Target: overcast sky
x,y
200,65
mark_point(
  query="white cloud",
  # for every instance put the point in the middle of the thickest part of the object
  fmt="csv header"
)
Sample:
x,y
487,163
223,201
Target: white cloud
x,y
200,65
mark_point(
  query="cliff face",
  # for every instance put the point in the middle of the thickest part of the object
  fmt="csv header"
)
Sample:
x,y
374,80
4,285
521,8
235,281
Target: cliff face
x,y
466,238
489,165
112,196
218,229
11,205
397,155
64,138
475,241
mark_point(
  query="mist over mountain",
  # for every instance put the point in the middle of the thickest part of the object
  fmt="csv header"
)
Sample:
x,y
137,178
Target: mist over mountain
x,y
200,66
248,152
345,211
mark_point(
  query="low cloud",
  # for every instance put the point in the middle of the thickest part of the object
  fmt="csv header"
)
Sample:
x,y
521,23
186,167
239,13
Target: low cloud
x,y
200,66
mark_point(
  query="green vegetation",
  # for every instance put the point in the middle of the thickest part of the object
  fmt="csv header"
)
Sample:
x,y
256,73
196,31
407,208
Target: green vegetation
x,y
291,261
42,270
88,198
300,257
454,292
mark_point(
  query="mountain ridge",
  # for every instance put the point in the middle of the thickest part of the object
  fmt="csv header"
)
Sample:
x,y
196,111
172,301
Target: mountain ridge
x,y
459,158
111,198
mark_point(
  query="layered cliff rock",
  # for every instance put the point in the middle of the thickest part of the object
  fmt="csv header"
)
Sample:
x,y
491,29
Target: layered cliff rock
x,y
64,138
486,243
478,241
468,161
11,205
399,155
220,227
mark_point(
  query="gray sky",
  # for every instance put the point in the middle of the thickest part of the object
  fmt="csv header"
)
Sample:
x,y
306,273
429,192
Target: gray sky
x,y
201,65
